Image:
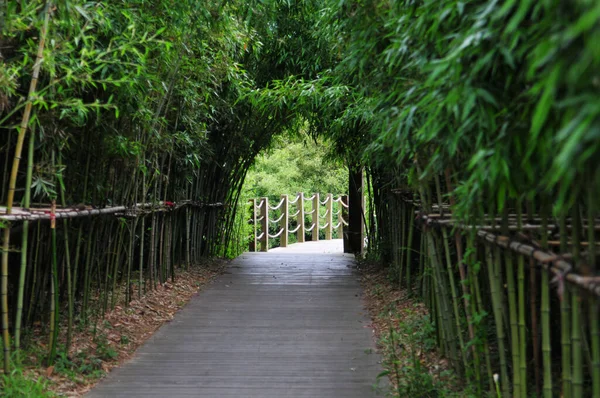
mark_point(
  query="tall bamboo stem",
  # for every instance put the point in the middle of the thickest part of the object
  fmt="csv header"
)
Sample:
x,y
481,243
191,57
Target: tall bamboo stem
x,y
522,331
545,315
575,311
67,260
496,293
12,186
54,307
593,303
22,273
565,321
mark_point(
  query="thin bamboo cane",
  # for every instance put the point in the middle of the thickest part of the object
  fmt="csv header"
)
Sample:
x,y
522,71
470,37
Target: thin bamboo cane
x,y
86,272
565,322
545,315
486,347
402,242
35,268
534,326
54,307
22,273
409,249
577,380
522,326
514,325
593,303
80,229
493,263
67,257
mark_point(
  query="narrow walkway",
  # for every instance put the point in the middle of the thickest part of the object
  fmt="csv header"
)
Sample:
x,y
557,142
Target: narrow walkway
x,y
288,323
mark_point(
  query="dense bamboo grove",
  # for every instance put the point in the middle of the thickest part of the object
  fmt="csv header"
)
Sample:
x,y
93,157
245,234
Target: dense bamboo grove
x,y
476,123
132,105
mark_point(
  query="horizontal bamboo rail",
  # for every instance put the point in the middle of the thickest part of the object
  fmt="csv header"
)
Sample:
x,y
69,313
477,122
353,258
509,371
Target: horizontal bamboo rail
x,y
21,214
554,263
262,221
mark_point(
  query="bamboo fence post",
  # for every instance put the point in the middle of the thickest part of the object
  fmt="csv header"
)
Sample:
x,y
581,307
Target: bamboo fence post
x,y
283,241
264,213
315,217
329,218
300,205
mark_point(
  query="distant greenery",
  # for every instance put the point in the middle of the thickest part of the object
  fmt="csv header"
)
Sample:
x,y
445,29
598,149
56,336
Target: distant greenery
x,y
295,165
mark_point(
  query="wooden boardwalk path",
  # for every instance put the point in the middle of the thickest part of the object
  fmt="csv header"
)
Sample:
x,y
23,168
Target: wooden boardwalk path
x,y
288,323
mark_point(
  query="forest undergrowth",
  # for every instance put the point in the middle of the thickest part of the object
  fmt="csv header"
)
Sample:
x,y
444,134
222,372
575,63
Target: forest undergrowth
x,y
406,340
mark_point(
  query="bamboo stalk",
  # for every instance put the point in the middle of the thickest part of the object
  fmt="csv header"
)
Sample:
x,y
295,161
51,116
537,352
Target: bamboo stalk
x,y
486,349
54,307
522,331
565,323
496,281
577,376
522,326
22,273
545,315
534,326
86,272
12,185
593,303
68,262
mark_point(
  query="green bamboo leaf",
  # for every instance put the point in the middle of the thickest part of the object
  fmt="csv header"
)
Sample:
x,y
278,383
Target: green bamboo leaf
x,y
545,103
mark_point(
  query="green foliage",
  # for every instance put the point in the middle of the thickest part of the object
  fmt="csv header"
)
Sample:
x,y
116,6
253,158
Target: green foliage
x,y
292,166
82,365
17,384
403,348
103,348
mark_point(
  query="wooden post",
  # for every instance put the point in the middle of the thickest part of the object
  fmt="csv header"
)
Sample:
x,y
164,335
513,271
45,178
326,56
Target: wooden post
x,y
356,224
264,213
283,241
329,218
342,215
315,218
300,205
254,246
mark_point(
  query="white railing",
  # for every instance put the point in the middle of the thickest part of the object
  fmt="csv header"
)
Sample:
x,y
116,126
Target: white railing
x,y
261,219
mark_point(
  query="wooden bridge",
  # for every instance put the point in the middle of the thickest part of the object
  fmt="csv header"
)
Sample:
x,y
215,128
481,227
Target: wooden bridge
x,y
287,323
264,220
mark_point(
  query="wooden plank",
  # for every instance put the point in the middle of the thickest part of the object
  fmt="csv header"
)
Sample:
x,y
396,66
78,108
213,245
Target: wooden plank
x,y
287,323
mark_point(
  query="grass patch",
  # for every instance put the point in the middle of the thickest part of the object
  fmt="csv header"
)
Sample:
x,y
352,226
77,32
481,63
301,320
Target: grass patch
x,y
19,384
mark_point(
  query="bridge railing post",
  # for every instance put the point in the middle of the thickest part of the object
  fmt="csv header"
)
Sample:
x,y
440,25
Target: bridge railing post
x,y
254,244
329,218
345,216
264,213
283,241
315,217
300,205
341,209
